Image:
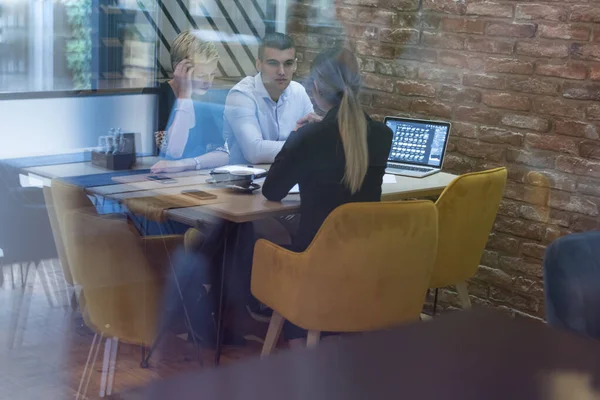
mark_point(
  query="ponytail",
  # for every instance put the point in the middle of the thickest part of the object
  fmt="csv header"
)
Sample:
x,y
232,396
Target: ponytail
x,y
353,131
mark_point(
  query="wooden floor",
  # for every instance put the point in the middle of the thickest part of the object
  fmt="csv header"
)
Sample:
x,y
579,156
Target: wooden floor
x,y
44,345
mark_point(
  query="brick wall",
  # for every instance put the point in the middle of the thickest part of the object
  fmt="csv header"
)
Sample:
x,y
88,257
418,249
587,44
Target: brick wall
x,y
521,84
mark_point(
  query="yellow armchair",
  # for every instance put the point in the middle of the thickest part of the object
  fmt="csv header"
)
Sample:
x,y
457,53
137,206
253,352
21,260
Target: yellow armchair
x,y
467,210
368,268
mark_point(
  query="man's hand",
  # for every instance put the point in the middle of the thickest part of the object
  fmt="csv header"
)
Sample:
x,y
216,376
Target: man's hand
x,y
308,119
171,166
183,79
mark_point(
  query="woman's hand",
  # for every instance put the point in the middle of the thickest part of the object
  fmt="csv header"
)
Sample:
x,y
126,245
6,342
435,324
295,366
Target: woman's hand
x,y
171,166
183,79
308,119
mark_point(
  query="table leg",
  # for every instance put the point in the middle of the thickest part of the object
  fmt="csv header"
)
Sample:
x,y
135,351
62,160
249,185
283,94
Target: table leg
x,y
231,229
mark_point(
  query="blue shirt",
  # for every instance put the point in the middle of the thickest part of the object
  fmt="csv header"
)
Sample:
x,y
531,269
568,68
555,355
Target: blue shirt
x,y
255,126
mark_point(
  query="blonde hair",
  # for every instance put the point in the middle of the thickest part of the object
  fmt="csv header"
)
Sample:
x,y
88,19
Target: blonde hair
x,y
188,44
338,78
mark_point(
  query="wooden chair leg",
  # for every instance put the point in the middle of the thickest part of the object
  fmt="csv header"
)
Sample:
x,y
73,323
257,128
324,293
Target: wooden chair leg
x,y
463,295
273,333
312,340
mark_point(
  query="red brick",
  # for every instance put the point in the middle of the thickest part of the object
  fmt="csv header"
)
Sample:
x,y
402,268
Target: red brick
x,y
564,31
490,9
391,102
595,72
529,287
464,130
313,41
462,25
526,122
395,68
538,159
585,13
400,5
506,100
408,20
366,99
544,214
593,111
416,54
404,36
504,243
303,11
553,106
375,50
544,48
475,63
445,6
413,88
366,64
506,29
367,3
526,266
575,128
519,228
581,91
568,71
473,114
487,45
376,82
509,66
458,163
509,208
362,32
578,166
541,11
346,14
514,300
443,41
438,75
431,107
572,203
493,276
555,232
452,59
528,194
459,95
590,149
296,25
534,250
583,223
377,17
496,135
559,144
480,150
533,85
589,186
484,81
430,21
551,179
581,51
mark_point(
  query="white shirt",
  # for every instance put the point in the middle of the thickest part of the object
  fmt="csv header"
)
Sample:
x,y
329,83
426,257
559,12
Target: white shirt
x,y
255,126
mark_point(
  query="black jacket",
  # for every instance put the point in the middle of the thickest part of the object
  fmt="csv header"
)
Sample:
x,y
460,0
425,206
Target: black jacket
x,y
313,157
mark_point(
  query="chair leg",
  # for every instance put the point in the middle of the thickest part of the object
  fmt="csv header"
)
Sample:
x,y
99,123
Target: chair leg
x,y
273,333
463,295
312,340
105,363
111,366
435,300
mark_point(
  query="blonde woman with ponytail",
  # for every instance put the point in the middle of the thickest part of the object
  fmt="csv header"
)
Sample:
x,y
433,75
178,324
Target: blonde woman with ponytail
x,y
338,160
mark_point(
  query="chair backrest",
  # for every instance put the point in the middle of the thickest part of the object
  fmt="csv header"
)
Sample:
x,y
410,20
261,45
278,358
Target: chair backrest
x,y
123,292
467,210
62,198
369,266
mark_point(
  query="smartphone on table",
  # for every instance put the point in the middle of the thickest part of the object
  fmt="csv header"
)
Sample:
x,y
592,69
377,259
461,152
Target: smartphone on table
x,y
199,194
161,179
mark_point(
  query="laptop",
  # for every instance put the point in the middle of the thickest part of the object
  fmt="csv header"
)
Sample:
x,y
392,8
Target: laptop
x,y
418,146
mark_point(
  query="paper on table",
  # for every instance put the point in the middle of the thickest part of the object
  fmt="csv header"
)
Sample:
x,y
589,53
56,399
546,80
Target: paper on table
x,y
245,168
389,178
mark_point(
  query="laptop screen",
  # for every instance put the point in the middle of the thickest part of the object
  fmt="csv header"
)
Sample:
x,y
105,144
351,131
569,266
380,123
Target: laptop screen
x,y
418,141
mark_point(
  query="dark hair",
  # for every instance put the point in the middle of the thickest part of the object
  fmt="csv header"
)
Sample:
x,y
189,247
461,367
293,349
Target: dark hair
x,y
337,75
277,41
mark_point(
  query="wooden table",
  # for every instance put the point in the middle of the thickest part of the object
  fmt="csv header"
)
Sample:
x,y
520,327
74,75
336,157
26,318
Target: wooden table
x,y
241,208
463,355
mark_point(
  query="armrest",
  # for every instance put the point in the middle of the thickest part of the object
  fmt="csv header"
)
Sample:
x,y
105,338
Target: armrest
x,y
158,250
277,277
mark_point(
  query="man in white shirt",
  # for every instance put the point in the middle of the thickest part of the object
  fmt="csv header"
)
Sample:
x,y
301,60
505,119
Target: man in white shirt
x,y
261,111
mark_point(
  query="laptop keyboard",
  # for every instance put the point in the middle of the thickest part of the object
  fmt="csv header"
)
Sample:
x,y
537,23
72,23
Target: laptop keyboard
x,y
409,168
